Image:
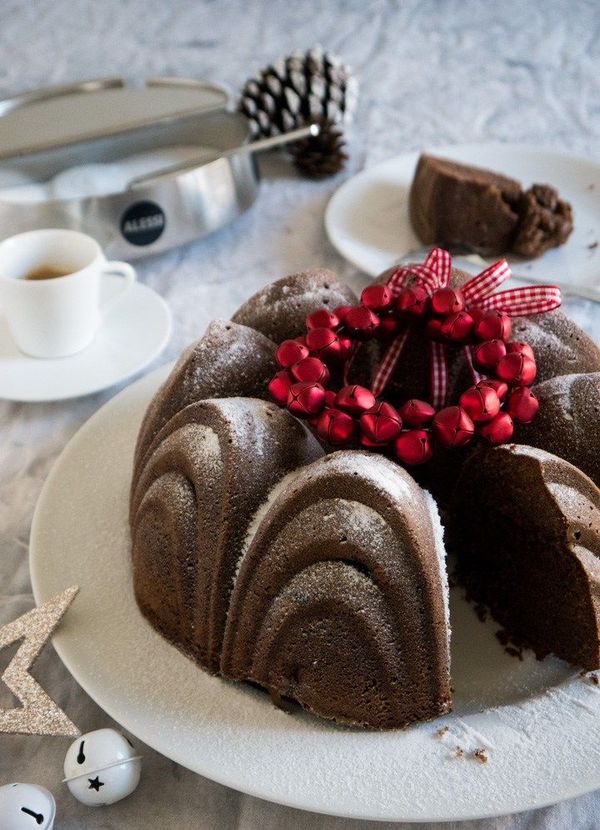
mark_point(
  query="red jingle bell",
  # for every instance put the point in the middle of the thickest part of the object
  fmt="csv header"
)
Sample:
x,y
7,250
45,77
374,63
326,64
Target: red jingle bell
x,y
389,325
370,445
361,322
381,424
341,311
433,329
520,348
477,314
355,399
494,325
480,402
345,348
499,387
416,413
325,344
499,430
290,352
322,319
453,427
311,369
305,399
516,368
413,447
523,405
329,397
447,301
457,327
489,353
376,297
280,386
336,427
412,302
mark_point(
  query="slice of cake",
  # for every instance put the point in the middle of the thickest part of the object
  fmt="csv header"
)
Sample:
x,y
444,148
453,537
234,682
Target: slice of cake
x,y
525,526
469,208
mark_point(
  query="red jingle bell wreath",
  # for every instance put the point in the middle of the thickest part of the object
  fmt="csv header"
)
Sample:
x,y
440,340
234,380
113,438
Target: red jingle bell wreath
x,y
313,380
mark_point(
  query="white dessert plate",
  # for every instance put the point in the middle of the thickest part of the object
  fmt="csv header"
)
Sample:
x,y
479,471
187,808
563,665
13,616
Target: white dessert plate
x,y
538,722
367,218
133,332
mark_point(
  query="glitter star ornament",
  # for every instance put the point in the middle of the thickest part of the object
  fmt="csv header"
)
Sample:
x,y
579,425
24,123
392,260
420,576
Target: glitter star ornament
x,y
38,714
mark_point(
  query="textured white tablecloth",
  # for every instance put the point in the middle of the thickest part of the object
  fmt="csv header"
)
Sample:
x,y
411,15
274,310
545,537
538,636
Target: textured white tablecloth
x,y
431,73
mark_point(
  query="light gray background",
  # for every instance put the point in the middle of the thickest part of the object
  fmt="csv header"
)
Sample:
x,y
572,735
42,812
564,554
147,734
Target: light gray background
x,y
431,73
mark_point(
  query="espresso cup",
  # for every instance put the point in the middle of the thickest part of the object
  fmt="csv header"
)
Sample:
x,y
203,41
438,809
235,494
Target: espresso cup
x,y
55,316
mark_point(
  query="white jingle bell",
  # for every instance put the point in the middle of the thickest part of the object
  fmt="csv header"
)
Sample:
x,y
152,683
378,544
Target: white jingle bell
x,y
102,767
26,807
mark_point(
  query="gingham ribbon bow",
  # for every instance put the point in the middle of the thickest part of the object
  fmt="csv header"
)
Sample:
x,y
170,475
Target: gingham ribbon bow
x,y
478,292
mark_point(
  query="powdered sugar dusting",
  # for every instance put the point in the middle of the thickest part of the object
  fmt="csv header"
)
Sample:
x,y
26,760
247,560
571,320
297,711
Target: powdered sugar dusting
x,y
201,444
384,474
438,538
223,345
531,452
262,511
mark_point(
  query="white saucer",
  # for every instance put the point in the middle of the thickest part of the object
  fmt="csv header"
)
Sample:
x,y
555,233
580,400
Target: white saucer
x,y
367,218
539,722
131,335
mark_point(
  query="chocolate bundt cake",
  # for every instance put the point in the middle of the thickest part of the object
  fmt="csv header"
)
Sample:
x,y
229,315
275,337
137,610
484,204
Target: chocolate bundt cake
x,y
279,310
341,598
468,208
321,578
206,473
230,360
525,526
329,589
568,423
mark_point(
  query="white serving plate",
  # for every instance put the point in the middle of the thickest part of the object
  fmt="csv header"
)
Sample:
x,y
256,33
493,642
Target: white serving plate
x,y
538,722
367,218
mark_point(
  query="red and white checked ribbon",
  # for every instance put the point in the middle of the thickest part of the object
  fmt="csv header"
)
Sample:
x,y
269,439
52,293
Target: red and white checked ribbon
x,y
439,374
435,273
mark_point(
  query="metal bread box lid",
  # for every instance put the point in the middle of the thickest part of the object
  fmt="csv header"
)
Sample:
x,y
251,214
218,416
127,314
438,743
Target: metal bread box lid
x,y
95,128
56,117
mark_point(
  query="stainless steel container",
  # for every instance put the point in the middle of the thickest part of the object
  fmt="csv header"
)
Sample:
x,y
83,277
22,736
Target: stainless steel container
x,y
48,131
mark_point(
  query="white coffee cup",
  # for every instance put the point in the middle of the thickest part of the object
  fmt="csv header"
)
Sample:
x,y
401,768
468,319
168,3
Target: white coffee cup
x,y
58,316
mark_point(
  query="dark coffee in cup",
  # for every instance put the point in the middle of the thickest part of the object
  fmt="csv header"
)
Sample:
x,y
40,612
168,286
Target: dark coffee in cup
x,y
46,272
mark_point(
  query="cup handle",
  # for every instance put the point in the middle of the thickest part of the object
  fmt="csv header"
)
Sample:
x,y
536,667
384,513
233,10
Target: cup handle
x,y
120,269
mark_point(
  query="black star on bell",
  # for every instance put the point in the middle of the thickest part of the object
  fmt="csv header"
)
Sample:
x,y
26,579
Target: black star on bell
x,y
95,784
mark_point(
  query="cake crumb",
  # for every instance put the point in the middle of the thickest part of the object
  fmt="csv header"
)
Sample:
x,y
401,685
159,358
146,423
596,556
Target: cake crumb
x,y
593,245
442,732
481,611
458,752
481,755
515,649
514,652
591,676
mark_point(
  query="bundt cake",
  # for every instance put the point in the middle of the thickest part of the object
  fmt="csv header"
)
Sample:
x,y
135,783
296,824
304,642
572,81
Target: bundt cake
x,y
321,577
230,360
525,526
341,598
568,423
207,471
470,208
279,310
326,586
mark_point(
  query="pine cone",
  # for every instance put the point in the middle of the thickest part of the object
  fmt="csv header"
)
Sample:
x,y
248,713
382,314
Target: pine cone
x,y
322,155
301,89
